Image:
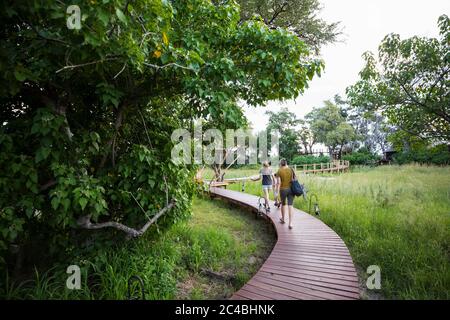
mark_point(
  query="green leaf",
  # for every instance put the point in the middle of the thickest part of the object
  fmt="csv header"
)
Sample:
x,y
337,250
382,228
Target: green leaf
x,y
83,202
55,203
20,74
66,203
104,17
121,16
42,154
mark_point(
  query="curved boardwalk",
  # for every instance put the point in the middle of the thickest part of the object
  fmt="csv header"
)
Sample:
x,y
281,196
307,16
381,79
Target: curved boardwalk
x,y
308,262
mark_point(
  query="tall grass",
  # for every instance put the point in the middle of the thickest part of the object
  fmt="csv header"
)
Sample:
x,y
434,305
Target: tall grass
x,y
217,238
396,217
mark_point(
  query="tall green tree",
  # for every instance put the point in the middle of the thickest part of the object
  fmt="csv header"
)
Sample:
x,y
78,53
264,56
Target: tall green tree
x,y
329,126
86,115
299,16
285,122
409,83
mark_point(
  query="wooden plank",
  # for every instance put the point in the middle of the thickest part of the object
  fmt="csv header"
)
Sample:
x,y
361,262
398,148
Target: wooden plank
x,y
338,290
299,288
237,296
316,247
253,296
319,279
312,267
282,291
305,261
315,254
267,293
312,259
318,273
322,285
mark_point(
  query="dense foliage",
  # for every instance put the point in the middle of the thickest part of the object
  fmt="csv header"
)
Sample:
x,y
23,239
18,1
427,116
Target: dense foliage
x,y
438,155
301,160
299,16
362,157
285,123
409,84
86,115
329,126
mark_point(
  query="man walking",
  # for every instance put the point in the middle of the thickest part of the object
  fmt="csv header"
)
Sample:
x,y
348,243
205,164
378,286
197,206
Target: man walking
x,y
285,176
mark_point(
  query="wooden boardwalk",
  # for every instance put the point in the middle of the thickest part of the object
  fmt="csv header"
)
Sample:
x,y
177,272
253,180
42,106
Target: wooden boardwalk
x,y
308,262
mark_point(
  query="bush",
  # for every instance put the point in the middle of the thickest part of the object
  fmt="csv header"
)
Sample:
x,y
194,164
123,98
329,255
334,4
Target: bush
x,y
301,160
438,155
361,158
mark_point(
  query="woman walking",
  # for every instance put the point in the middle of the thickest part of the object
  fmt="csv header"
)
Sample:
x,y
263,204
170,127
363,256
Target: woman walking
x,y
268,181
285,176
276,191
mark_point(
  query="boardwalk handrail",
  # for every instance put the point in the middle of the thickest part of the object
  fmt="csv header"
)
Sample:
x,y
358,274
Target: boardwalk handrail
x,y
308,262
334,166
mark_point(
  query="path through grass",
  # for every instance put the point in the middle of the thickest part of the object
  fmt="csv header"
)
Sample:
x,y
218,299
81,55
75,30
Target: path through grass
x,y
395,217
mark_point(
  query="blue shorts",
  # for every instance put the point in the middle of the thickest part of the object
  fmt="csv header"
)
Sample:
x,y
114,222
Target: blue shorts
x,y
267,187
286,194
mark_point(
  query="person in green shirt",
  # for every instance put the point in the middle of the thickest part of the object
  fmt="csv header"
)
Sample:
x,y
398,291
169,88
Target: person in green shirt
x,y
285,176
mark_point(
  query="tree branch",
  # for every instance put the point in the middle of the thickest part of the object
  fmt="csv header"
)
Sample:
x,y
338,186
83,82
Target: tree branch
x,y
47,185
173,64
85,223
85,64
278,12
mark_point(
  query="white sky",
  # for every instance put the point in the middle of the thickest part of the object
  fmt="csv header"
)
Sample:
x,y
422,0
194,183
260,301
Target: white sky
x,y
365,23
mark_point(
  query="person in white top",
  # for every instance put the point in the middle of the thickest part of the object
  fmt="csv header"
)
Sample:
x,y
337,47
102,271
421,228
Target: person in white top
x,y
268,182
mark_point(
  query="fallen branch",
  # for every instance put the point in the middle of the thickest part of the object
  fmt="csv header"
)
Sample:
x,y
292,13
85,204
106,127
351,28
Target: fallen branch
x,y
85,223
219,276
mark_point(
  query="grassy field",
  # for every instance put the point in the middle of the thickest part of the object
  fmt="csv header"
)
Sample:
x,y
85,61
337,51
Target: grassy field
x,y
395,217
174,264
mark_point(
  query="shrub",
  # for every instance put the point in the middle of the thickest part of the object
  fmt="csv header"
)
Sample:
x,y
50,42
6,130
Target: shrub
x,y
301,160
438,155
361,158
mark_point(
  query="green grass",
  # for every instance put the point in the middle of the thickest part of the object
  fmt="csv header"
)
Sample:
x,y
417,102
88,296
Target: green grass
x,y
396,217
217,237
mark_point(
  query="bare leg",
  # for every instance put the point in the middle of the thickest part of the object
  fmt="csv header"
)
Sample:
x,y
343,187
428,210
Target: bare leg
x,y
282,211
290,216
266,197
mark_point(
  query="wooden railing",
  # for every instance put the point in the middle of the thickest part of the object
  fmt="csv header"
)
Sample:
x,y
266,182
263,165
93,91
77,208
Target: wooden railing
x,y
337,166
334,166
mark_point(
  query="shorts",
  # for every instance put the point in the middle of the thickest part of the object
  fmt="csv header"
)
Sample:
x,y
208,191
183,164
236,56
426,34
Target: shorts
x,y
267,187
286,194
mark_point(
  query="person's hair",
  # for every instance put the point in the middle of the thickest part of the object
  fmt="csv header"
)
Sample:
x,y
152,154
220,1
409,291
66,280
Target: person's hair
x,y
266,164
283,162
270,163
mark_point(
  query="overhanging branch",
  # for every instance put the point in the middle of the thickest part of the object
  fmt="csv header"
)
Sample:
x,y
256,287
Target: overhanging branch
x,y
85,223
